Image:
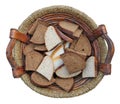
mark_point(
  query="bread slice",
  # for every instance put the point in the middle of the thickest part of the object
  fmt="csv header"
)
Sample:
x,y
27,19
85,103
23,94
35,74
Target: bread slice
x,y
46,68
62,72
81,54
40,48
57,62
63,36
33,27
73,62
39,34
51,52
58,51
90,69
68,27
28,48
72,45
65,84
32,60
66,45
51,38
41,81
83,45
77,33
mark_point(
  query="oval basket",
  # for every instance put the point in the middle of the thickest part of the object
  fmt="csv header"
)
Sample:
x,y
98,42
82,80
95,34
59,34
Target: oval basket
x,y
51,15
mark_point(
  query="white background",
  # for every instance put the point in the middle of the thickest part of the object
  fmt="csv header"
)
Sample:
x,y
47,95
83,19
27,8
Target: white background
x,y
14,91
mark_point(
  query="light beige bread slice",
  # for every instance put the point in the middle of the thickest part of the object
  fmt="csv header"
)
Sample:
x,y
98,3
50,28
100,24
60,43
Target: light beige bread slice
x,y
66,45
90,69
68,27
39,34
51,38
58,51
40,80
62,72
73,62
83,45
46,68
32,60
57,62
65,84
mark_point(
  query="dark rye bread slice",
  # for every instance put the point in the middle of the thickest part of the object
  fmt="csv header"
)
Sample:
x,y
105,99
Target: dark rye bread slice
x,y
83,45
28,48
33,27
81,54
40,80
40,47
63,36
32,60
72,45
77,33
68,28
65,84
39,34
73,62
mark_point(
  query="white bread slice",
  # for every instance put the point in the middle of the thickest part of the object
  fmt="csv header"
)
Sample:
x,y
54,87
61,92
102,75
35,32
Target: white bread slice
x,y
57,62
67,45
51,38
58,51
62,72
90,69
51,52
46,68
68,26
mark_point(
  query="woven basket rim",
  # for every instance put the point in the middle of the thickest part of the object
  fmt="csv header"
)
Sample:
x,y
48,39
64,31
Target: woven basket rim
x,y
65,9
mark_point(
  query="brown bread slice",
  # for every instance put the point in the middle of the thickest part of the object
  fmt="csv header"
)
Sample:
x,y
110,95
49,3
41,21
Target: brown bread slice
x,y
65,84
39,34
83,45
32,60
62,72
28,48
68,27
63,36
72,45
81,54
40,80
73,62
77,33
40,48
33,27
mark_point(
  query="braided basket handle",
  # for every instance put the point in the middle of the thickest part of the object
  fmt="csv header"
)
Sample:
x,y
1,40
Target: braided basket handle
x,y
14,36
106,66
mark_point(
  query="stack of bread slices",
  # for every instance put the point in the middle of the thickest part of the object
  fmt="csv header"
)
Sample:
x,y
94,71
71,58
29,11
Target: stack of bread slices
x,y
57,54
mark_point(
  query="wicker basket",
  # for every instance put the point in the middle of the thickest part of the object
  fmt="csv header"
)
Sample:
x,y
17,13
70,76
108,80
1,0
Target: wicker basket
x,y
103,53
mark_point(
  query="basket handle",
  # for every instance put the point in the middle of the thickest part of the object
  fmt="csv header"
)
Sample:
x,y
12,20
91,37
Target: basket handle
x,y
14,36
106,66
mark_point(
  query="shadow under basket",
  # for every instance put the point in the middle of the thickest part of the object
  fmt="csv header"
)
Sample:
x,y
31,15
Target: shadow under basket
x,y
103,49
